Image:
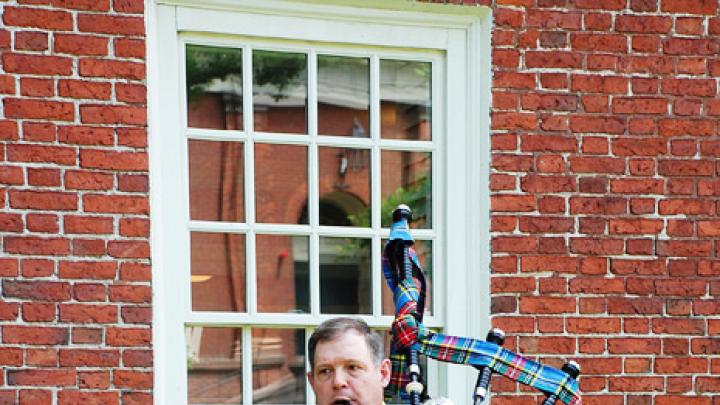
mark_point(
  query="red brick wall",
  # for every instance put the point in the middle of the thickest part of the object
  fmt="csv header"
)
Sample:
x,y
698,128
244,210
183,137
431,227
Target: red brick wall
x,y
75,309
604,184
605,193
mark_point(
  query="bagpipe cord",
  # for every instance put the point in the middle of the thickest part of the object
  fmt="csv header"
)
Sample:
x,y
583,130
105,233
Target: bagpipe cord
x,y
410,333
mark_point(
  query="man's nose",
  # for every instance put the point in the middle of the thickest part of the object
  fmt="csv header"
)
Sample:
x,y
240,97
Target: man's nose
x,y
339,379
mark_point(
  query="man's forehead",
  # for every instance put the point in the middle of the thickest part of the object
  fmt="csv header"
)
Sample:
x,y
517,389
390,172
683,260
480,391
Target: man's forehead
x,y
346,345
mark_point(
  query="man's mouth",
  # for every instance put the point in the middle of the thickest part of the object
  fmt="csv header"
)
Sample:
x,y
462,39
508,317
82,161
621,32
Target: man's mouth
x,y
342,401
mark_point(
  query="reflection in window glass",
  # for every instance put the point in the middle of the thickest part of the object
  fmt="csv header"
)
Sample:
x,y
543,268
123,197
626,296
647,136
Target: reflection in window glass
x,y
216,181
283,280
280,92
217,271
213,79
405,100
280,183
406,178
345,278
278,358
343,96
214,365
423,248
344,186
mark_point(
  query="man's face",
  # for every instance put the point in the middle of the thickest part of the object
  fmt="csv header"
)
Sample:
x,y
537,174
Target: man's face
x,y
345,372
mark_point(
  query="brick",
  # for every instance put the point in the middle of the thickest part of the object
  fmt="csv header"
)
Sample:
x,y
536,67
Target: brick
x,y
599,42
546,224
705,346
691,46
643,24
685,206
110,24
47,200
137,227
135,272
84,180
707,7
635,226
646,64
131,93
642,267
634,345
687,127
636,186
87,135
88,225
42,377
512,120
547,305
512,203
137,358
593,326
108,68
33,87
8,267
133,137
689,87
128,337
38,18
28,335
83,313
89,292
31,40
38,312
89,247
677,167
548,143
594,124
39,131
682,288
549,102
37,268
558,345
142,315
36,290
43,177
554,19
11,222
137,398
9,311
636,384
513,80
37,64
36,246
645,44
68,397
129,6
514,244
552,59
94,5
678,326
94,379
112,160
116,204
139,380
709,228
84,89
38,109
635,306
547,184
89,358
113,114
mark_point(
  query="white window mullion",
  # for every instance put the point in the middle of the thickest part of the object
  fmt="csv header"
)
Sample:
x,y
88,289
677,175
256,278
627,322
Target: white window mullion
x,y
249,151
313,186
247,383
375,200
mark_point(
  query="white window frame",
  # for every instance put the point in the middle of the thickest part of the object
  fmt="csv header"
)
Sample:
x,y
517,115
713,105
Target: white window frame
x,y
461,219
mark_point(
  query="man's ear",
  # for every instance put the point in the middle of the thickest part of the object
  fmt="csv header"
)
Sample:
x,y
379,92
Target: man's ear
x,y
385,371
310,378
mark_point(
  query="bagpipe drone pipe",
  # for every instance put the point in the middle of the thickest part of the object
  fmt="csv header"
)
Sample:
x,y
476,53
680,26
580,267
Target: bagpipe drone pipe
x,y
406,280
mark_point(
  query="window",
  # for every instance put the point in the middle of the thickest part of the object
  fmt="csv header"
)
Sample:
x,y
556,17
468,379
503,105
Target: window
x,y
282,142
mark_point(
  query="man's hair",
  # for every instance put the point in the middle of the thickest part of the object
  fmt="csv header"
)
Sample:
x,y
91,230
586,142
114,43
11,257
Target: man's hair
x,y
332,328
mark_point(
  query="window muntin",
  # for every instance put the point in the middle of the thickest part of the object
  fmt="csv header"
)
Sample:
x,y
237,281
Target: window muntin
x,y
309,230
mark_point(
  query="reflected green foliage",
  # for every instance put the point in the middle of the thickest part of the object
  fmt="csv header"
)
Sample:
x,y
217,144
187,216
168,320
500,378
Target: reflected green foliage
x,y
279,69
203,64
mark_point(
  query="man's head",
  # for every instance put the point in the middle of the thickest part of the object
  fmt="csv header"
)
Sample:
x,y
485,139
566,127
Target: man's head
x,y
347,363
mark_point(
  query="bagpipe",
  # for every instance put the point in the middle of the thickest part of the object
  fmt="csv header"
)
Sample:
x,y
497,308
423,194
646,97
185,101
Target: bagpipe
x,y
410,337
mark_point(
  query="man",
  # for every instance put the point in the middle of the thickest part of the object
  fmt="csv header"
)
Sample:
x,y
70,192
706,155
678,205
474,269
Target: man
x,y
347,363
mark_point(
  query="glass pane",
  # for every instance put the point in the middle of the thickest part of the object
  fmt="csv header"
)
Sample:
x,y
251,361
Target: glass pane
x,y
345,278
281,183
344,186
406,179
214,365
343,96
218,271
216,181
282,271
423,248
213,79
280,92
278,358
405,100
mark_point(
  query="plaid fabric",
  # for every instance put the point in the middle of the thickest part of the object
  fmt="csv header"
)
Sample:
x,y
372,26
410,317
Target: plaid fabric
x,y
409,333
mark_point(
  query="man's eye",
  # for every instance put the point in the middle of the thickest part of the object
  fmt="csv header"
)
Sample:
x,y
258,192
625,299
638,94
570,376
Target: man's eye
x,y
324,371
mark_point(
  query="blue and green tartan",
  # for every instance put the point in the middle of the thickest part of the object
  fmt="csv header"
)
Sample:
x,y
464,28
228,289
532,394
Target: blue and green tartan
x,y
409,333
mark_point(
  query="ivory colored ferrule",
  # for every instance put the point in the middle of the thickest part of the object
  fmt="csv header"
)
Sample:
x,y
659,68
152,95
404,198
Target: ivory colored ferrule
x,y
480,392
414,369
414,387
